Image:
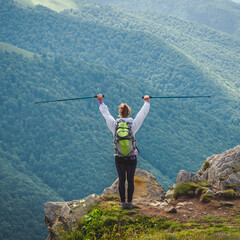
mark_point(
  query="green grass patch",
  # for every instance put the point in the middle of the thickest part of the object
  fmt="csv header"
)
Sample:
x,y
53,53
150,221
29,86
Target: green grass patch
x,y
108,221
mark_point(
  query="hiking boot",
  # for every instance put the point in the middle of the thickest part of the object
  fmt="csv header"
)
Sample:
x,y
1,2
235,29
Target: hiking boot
x,y
124,205
130,205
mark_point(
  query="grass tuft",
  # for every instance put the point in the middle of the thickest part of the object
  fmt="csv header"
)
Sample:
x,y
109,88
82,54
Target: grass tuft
x,y
236,170
232,186
206,165
111,197
185,189
229,194
205,198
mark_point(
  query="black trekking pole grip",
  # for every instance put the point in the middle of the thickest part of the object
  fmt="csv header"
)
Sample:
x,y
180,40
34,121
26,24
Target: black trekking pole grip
x,y
96,96
149,97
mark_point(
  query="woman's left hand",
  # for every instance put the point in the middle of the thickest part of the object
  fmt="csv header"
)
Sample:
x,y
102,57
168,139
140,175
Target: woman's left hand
x,y
100,97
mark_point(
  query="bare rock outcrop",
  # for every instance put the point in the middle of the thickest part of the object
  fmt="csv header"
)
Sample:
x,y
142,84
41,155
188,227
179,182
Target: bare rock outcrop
x,y
223,169
184,176
64,215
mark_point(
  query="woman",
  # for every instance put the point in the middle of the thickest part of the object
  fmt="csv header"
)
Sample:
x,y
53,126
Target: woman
x,y
125,165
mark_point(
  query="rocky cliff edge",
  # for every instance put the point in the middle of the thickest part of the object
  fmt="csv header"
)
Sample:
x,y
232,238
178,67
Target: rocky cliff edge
x,y
221,172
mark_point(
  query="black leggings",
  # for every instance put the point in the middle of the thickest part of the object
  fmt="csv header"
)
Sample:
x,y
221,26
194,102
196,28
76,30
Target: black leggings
x,y
126,165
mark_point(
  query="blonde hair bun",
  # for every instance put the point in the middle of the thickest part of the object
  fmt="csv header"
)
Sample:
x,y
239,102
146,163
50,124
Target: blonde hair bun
x,y
124,110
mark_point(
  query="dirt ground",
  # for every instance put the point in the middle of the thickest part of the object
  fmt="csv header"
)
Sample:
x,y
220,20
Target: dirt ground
x,y
192,209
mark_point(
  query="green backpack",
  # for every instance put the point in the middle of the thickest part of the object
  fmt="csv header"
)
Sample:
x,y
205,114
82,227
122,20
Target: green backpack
x,y
124,141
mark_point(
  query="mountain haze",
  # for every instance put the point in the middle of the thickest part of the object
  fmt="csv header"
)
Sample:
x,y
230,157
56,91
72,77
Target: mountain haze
x,y
55,40
222,15
64,151
56,5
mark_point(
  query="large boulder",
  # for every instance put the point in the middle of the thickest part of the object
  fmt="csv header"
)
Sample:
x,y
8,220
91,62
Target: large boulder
x,y
146,188
65,215
223,169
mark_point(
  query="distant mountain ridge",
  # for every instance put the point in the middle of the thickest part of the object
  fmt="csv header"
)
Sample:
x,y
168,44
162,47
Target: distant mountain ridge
x,y
11,48
56,5
223,15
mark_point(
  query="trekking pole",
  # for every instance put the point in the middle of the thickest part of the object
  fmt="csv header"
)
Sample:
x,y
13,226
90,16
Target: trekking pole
x,y
179,96
66,99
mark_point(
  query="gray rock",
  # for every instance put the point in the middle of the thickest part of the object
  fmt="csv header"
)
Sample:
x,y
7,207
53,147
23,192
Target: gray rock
x,y
170,194
182,204
233,179
223,169
170,210
65,215
218,194
227,204
209,191
184,176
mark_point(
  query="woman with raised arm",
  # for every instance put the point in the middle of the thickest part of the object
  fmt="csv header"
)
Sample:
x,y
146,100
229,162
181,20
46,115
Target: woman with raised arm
x,y
125,150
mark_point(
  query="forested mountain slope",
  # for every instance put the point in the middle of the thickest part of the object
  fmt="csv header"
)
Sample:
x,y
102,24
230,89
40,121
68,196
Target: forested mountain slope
x,y
22,200
47,55
147,50
222,15
216,54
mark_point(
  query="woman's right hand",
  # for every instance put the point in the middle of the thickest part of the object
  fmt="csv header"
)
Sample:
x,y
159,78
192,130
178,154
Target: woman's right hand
x,y
100,97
